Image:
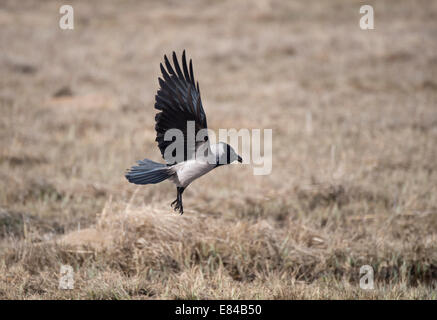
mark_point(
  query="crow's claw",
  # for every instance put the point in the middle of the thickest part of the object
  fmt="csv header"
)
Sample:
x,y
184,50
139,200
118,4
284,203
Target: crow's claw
x,y
174,203
178,206
178,202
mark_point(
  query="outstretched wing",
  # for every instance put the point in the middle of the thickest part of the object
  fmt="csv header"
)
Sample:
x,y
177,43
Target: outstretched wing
x,y
178,100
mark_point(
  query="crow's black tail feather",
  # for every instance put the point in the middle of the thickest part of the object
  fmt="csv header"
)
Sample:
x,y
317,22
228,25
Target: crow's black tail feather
x,y
148,172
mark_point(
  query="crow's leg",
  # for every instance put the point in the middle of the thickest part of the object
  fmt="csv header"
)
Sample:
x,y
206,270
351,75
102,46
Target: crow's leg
x,y
178,202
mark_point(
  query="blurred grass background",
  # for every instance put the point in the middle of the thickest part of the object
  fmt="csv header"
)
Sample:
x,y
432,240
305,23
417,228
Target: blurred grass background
x,y
354,177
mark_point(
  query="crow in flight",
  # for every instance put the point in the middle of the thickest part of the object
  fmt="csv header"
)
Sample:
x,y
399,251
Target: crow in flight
x,y
180,107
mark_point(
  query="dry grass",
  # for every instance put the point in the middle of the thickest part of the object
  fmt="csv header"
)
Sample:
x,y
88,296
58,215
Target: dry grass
x,y
358,186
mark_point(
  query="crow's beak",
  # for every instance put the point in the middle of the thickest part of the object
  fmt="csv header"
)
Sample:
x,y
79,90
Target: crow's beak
x,y
240,159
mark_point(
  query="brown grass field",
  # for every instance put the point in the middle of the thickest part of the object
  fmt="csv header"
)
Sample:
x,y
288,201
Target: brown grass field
x,y
356,185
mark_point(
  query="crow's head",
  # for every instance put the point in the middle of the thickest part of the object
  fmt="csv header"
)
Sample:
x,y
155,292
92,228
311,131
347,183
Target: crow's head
x,y
225,154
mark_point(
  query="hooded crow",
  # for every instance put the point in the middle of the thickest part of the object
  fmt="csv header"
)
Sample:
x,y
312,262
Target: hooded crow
x,y
180,107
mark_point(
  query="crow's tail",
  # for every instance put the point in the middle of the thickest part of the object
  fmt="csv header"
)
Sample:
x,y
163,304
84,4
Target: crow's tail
x,y
147,172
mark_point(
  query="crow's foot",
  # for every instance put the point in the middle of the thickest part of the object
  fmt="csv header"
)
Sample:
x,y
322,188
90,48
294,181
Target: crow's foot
x,y
178,206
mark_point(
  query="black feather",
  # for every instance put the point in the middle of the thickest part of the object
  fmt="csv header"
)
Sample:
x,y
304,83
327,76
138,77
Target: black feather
x,y
178,101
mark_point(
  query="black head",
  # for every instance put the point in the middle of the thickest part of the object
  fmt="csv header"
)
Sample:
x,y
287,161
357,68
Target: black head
x,y
226,155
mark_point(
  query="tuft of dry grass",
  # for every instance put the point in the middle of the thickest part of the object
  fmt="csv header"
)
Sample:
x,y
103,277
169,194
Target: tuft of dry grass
x,y
354,178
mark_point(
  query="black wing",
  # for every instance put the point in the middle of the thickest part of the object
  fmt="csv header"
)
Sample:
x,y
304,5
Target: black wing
x,y
179,101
